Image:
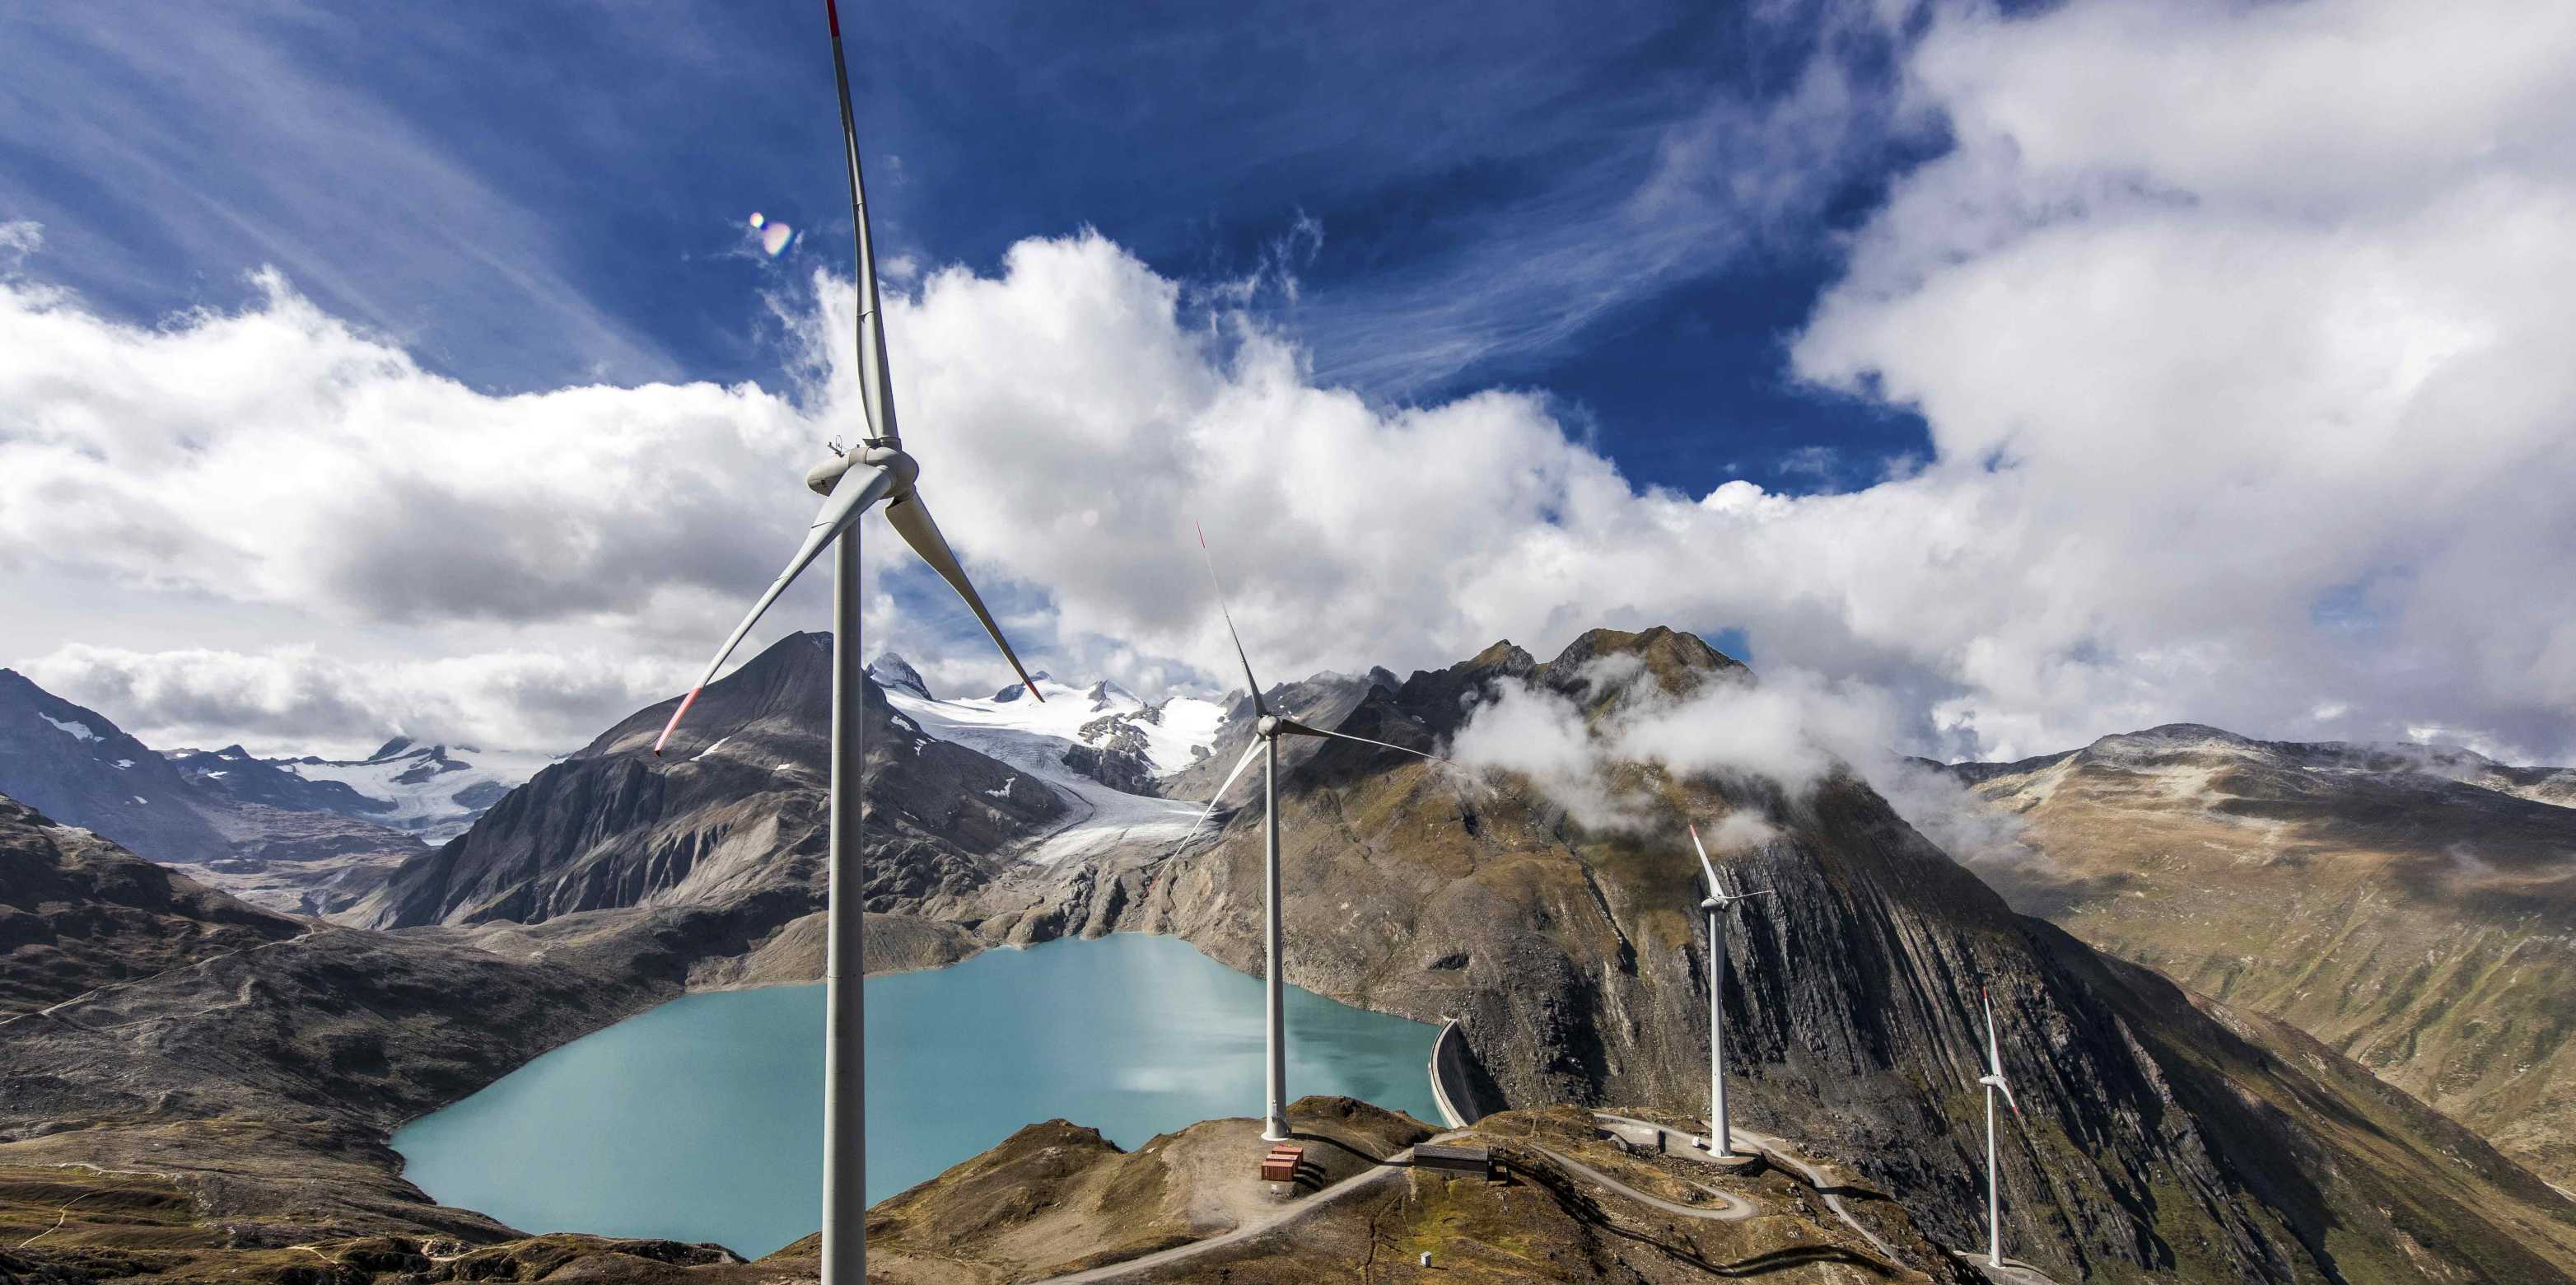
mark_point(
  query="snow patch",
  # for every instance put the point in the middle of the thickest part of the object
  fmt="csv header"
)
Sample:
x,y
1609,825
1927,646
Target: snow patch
x,y
1033,738
122,764
425,783
74,729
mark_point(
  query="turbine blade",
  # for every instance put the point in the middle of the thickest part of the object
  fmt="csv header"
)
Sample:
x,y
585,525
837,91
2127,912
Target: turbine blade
x,y
840,509
1301,729
1250,753
1994,1047
2008,1097
911,518
1747,896
1250,683
875,380
1715,889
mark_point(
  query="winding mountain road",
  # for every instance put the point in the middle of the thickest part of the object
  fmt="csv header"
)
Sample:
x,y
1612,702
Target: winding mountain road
x,y
1778,1153
1392,1166
1731,1208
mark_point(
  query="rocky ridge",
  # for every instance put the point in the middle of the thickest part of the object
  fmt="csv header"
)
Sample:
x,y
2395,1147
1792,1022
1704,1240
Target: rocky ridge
x,y
1573,958
2413,908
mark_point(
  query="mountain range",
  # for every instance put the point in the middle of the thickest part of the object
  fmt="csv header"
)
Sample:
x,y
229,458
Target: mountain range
x,y
2170,1134
255,827
2412,907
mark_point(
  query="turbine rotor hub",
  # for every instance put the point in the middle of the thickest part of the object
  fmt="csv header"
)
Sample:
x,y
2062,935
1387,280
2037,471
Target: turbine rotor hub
x,y
897,465
1269,725
1711,903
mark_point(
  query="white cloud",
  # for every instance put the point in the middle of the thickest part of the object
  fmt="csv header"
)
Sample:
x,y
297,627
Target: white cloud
x,y
1791,727
2246,405
1737,831
296,701
18,239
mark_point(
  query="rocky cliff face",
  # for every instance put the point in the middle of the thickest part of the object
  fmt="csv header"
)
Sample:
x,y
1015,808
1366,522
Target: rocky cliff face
x,y
2413,908
1575,959
737,810
74,765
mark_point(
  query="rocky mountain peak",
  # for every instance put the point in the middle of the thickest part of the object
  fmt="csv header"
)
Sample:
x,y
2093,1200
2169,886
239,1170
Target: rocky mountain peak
x,y
1503,655
891,670
1606,663
1016,691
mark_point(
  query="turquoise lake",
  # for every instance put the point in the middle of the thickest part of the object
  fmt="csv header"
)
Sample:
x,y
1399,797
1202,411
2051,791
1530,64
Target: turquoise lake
x,y
700,1120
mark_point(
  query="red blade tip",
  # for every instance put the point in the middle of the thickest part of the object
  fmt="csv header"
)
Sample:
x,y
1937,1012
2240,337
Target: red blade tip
x,y
674,724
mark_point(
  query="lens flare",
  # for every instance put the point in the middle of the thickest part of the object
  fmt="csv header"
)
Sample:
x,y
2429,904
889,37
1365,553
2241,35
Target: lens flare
x,y
774,235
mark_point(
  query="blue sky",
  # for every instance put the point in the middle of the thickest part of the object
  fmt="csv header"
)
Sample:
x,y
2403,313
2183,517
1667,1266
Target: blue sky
x,y
1600,203
1968,356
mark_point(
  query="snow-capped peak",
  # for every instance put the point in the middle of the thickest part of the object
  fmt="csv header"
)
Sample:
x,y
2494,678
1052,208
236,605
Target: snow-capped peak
x,y
434,791
1106,695
1042,680
893,671
1102,727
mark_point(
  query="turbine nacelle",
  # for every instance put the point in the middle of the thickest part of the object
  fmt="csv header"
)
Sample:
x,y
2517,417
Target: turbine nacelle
x,y
1718,899
901,469
1269,726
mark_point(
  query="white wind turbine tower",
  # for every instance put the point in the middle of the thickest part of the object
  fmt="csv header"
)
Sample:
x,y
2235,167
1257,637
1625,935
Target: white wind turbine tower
x,y
1716,904
854,482
1993,1079
1265,745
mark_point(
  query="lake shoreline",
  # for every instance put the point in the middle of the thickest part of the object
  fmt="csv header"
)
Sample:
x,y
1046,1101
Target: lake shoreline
x,y
1135,1034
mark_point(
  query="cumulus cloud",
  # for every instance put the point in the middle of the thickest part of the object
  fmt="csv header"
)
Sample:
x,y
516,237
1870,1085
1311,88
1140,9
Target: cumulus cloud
x,y
2247,408
296,700
1792,727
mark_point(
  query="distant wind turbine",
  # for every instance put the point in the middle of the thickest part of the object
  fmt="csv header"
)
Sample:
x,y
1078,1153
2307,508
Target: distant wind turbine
x,y
1993,1079
1265,744
854,482
1716,904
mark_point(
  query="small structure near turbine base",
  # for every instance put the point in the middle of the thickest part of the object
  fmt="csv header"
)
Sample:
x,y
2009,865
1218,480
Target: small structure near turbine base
x,y
1474,1161
1740,1162
1282,1163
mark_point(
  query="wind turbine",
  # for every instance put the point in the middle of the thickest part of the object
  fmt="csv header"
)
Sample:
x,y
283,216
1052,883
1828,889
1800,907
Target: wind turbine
x,y
1265,745
853,482
1993,1079
1716,904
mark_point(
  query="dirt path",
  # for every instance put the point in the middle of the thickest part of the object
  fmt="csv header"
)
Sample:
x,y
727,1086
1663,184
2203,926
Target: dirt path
x,y
52,1010
1734,1208
1778,1153
1376,1177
